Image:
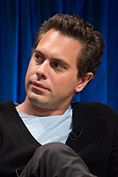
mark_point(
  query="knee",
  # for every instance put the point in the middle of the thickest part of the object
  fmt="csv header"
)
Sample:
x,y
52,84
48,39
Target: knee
x,y
54,148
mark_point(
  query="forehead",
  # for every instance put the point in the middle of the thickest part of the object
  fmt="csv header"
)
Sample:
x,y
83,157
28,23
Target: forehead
x,y
56,43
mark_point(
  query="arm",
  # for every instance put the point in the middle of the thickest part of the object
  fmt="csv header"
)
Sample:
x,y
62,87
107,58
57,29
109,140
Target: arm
x,y
113,167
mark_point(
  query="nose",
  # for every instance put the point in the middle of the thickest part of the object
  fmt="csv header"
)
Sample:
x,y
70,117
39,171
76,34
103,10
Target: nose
x,y
42,70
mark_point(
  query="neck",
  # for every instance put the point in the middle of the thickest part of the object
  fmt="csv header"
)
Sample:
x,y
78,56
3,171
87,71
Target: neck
x,y
29,108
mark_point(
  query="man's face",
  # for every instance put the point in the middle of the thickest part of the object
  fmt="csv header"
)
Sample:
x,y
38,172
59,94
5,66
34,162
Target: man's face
x,y
51,79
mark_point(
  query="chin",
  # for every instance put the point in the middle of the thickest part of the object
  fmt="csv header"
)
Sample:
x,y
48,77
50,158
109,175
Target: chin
x,y
38,102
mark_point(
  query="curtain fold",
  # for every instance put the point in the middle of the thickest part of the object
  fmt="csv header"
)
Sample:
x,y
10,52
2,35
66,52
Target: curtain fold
x,y
20,20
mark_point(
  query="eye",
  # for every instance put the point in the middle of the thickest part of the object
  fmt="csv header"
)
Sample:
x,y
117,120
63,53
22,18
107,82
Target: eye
x,y
58,66
38,58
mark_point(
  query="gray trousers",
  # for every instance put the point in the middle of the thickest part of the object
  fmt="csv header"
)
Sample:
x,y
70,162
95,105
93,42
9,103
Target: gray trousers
x,y
55,160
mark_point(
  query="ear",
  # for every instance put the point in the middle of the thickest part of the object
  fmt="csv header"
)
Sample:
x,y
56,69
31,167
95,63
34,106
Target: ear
x,y
82,82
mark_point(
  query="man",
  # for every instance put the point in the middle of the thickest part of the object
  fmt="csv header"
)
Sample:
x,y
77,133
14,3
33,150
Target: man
x,y
65,57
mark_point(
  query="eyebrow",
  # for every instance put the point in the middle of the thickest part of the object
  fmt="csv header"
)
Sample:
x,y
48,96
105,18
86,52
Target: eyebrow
x,y
55,59
40,53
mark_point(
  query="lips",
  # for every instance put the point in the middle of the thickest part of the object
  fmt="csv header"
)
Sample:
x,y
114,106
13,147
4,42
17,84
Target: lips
x,y
39,85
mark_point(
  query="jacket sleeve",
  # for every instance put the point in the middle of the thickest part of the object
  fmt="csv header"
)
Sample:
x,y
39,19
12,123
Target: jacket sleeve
x,y
113,167
1,140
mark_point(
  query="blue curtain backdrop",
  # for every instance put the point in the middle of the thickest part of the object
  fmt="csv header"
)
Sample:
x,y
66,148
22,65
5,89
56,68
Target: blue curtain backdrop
x,y
19,22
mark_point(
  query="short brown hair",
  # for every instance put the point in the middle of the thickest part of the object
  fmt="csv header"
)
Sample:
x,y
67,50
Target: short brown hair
x,y
89,57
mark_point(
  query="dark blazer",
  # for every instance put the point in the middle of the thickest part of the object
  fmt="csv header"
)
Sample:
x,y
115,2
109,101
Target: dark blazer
x,y
94,137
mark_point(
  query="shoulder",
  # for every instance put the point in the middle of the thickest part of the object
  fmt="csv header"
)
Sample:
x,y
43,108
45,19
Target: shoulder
x,y
93,108
96,119
7,109
5,106
95,112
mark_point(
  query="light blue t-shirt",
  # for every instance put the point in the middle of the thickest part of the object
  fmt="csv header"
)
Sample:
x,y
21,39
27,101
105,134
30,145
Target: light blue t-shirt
x,y
48,129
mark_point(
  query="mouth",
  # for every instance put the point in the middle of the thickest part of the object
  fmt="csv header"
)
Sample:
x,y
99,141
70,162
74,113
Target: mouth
x,y
39,87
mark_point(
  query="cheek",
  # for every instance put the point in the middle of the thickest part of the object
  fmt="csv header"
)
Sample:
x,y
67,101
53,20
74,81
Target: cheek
x,y
66,82
28,76
31,68
30,71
